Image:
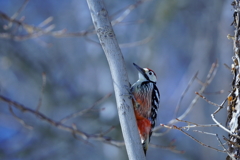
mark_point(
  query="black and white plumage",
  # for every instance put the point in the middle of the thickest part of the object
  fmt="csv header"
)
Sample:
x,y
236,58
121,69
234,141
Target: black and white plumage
x,y
146,103
155,106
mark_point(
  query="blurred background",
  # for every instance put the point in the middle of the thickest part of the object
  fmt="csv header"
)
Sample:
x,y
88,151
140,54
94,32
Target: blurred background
x,y
174,38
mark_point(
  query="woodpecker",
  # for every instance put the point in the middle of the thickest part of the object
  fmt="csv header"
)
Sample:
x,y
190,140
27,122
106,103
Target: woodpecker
x,y
146,98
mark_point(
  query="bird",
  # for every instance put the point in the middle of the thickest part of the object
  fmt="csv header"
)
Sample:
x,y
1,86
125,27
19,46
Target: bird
x,y
145,99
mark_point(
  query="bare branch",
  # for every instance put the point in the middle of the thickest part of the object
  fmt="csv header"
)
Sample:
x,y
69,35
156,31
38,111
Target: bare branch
x,y
171,147
194,125
199,125
231,142
73,115
227,66
203,144
224,128
34,32
214,104
45,22
107,131
210,76
19,119
61,126
184,92
16,14
42,89
217,92
216,135
127,12
137,43
213,115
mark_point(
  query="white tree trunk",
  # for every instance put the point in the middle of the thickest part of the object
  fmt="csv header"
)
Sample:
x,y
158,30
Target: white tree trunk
x,y
233,121
115,59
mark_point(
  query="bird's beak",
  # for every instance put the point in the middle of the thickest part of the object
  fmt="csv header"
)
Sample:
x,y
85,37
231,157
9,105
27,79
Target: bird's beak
x,y
141,70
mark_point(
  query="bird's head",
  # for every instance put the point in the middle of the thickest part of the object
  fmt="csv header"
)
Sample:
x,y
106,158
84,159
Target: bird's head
x,y
146,74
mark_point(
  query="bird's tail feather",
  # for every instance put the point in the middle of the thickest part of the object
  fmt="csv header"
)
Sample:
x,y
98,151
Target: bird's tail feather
x,y
145,144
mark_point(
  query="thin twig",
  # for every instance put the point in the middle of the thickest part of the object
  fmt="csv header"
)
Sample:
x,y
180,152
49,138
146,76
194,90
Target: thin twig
x,y
210,76
194,125
199,81
183,94
20,9
199,125
61,126
16,14
42,89
73,115
109,130
131,22
170,148
216,135
212,93
218,109
127,11
45,22
19,119
227,66
186,122
74,126
231,142
210,102
203,144
224,128
137,43
34,32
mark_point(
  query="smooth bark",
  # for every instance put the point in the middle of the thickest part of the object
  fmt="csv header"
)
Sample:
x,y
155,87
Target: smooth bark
x,y
115,59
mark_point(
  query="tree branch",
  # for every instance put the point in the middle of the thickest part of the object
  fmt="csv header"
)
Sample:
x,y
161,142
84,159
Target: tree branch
x,y
115,59
73,129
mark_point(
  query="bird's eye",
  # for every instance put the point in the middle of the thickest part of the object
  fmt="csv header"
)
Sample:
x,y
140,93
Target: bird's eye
x,y
150,73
